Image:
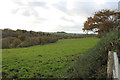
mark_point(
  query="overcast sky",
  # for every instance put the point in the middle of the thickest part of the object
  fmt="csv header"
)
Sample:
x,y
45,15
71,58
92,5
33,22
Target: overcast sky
x,y
50,15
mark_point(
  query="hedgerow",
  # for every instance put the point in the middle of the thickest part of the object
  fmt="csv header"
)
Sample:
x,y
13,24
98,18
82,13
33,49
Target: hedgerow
x,y
93,63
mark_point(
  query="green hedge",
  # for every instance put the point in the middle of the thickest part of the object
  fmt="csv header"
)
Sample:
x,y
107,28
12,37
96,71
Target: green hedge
x,y
93,63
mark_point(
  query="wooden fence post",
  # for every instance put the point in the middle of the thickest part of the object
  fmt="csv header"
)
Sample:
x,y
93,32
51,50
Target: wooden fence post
x,y
110,64
116,67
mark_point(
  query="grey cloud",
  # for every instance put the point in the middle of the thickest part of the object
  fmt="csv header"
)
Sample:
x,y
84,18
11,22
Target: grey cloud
x,y
15,11
27,9
110,5
84,8
34,12
30,3
18,3
26,13
80,8
76,28
43,4
62,5
89,8
65,19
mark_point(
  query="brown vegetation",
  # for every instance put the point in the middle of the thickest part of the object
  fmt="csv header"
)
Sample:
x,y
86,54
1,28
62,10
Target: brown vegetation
x,y
23,38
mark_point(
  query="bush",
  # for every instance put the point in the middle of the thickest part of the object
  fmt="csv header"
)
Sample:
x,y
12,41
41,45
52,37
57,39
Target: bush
x,y
13,42
0,43
45,40
51,39
30,41
10,42
42,40
21,37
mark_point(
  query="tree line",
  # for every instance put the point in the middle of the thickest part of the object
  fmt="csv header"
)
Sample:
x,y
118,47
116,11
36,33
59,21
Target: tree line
x,y
23,38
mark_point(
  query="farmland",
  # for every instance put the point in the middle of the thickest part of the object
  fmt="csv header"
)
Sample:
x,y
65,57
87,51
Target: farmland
x,y
50,60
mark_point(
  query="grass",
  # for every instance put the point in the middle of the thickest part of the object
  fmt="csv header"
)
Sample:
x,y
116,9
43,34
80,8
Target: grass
x,y
50,60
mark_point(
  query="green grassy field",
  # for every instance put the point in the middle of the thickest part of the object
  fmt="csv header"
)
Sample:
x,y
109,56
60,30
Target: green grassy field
x,y
50,60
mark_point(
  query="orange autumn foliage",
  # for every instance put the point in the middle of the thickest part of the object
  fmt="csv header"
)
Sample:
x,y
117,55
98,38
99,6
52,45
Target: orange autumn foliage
x,y
102,21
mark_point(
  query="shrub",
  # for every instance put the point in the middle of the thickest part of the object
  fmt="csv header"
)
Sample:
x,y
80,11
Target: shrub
x,y
15,43
21,37
47,39
0,43
42,40
10,42
30,41
5,43
51,39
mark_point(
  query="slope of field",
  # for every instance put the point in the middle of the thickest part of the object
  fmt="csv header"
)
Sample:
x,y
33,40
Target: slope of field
x,y
51,60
